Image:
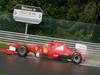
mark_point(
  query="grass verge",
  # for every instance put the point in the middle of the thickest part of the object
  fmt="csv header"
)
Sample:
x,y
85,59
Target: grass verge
x,y
3,45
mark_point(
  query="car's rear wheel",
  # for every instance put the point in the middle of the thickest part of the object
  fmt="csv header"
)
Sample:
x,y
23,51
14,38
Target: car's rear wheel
x,y
22,51
77,58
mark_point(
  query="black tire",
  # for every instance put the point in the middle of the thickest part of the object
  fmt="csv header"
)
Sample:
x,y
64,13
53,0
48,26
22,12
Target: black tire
x,y
22,51
77,58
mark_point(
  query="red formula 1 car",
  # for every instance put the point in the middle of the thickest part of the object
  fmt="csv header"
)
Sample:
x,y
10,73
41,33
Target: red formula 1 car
x,y
54,50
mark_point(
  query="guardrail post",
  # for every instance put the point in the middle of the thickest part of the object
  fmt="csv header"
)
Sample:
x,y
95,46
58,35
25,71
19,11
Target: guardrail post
x,y
26,29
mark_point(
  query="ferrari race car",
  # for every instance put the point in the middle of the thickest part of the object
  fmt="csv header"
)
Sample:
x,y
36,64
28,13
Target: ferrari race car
x,y
53,49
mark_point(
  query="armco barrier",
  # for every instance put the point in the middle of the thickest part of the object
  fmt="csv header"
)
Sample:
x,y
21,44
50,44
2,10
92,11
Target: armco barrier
x,y
93,48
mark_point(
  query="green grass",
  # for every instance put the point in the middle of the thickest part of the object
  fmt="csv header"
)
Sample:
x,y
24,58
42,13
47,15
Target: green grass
x,y
3,45
3,74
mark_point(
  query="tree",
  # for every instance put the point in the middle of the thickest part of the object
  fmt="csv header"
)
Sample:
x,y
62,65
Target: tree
x,y
89,13
72,10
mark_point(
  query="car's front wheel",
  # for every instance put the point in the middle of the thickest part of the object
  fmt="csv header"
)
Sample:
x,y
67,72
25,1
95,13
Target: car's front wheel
x,y
77,58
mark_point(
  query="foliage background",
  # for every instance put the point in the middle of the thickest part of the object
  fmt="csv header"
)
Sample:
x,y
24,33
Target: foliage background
x,y
69,19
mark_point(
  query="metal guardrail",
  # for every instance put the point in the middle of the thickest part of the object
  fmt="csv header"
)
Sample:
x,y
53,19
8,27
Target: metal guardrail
x,y
93,48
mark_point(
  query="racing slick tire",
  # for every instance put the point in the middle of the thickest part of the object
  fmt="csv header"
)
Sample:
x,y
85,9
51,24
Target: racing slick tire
x,y
22,51
76,58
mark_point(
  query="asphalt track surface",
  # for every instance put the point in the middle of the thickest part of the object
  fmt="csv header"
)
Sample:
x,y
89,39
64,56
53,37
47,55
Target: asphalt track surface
x,y
15,65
